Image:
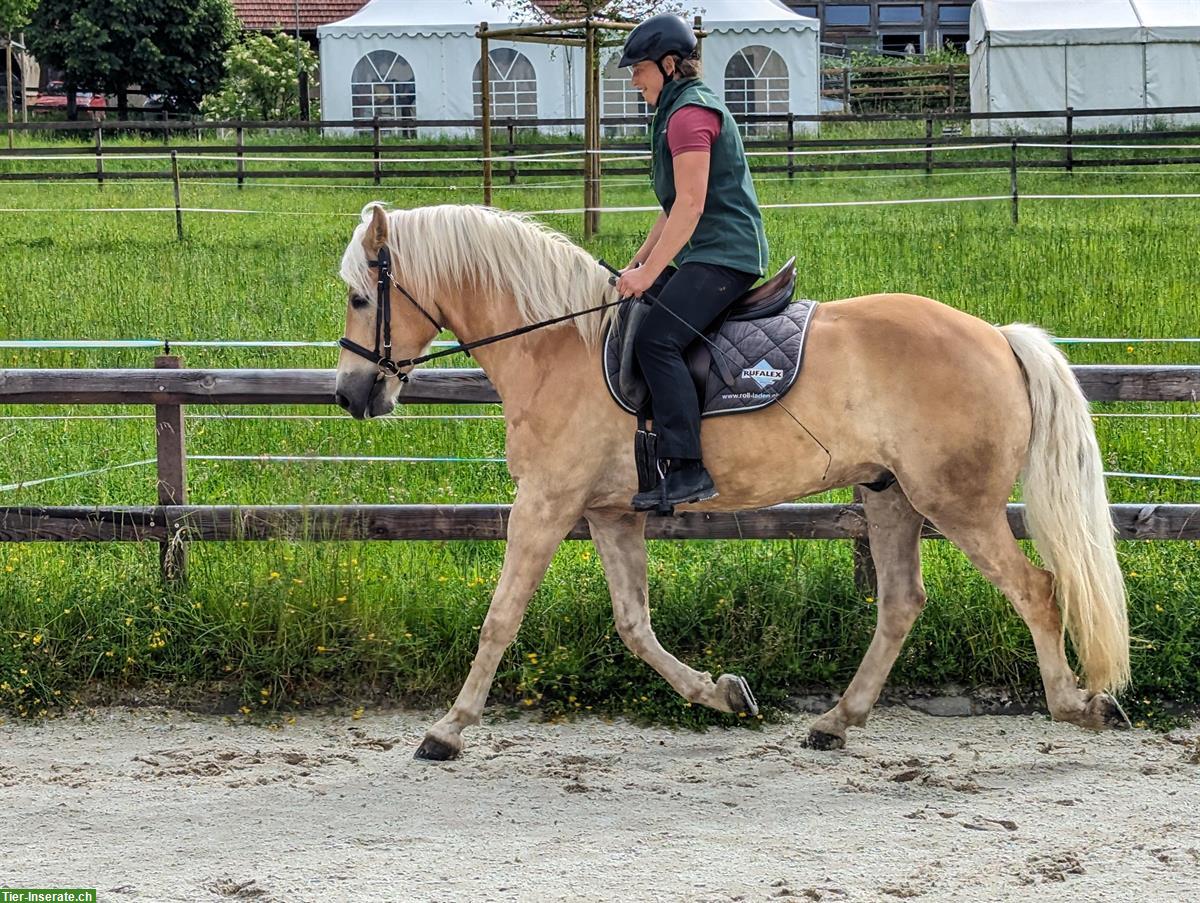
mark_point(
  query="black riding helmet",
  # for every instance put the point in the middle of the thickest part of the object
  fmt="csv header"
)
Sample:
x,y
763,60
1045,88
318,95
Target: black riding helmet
x,y
657,37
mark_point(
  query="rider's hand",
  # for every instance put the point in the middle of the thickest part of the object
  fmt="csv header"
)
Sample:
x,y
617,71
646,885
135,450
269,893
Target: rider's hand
x,y
634,282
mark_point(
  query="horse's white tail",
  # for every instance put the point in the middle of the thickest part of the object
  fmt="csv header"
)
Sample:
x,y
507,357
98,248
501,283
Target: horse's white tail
x,y
1066,511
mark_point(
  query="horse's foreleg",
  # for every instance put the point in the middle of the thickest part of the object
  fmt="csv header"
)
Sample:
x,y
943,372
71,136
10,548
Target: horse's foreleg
x,y
621,541
895,537
536,526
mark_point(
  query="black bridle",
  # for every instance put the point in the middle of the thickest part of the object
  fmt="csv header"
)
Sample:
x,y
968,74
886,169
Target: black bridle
x,y
381,354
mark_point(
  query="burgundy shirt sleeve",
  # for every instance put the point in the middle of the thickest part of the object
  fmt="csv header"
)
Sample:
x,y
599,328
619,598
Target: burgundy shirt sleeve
x,y
692,128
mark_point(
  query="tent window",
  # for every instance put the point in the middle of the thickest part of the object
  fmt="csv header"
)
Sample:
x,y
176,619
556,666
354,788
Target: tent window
x,y
383,85
620,98
756,82
512,83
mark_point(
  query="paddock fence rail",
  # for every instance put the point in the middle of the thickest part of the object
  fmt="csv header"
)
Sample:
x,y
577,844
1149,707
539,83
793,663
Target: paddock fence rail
x,y
173,523
371,154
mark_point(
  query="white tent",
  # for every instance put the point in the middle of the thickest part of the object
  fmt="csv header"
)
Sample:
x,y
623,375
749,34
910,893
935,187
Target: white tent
x,y
418,60
1086,54
760,56
404,59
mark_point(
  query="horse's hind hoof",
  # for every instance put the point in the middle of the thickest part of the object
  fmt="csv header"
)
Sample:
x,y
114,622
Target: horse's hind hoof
x,y
821,740
1106,714
737,695
434,750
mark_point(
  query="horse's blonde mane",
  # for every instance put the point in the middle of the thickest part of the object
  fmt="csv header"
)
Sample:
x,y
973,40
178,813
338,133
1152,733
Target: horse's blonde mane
x,y
490,253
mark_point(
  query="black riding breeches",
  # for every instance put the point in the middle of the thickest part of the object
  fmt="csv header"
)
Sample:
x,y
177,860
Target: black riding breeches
x,y
697,293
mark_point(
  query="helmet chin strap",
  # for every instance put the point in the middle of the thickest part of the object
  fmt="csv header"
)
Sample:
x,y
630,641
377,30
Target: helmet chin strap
x,y
666,75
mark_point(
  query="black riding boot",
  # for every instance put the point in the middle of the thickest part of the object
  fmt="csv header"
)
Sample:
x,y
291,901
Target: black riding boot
x,y
686,481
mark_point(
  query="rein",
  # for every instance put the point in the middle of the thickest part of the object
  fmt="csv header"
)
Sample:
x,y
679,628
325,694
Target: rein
x,y
381,354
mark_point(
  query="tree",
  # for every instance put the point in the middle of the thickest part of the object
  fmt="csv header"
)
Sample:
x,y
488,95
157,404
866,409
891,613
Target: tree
x,y
261,78
14,15
170,47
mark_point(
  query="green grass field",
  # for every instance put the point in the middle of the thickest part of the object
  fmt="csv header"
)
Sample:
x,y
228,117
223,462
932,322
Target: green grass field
x,y
289,623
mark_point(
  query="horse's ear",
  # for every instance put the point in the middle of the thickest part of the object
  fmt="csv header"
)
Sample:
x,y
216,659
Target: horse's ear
x,y
377,232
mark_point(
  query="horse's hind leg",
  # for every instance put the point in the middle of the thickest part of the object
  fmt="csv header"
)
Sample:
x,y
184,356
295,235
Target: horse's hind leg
x,y
895,536
988,541
620,539
536,526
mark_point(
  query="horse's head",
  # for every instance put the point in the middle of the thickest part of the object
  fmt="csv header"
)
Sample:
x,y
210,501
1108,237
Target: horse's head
x,y
383,324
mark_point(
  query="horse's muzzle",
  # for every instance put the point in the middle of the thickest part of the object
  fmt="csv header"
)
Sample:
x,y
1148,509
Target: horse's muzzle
x,y
362,395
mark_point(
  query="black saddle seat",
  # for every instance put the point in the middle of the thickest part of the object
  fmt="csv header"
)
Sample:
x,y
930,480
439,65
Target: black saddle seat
x,y
769,298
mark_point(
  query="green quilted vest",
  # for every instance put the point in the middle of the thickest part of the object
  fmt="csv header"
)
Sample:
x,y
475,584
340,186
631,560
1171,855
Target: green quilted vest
x,y
730,231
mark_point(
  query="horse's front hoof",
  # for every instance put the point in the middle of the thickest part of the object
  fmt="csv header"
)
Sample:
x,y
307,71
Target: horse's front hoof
x,y
823,741
434,750
736,693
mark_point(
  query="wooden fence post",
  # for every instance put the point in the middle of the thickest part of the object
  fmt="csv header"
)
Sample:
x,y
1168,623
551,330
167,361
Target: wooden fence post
x,y
1012,177
950,77
99,157
928,145
172,472
590,142
846,89
241,159
512,149
178,209
375,150
485,110
791,144
597,101
865,579
1070,139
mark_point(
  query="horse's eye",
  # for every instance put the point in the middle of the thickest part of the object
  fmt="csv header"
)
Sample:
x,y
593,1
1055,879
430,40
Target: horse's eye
x,y
358,302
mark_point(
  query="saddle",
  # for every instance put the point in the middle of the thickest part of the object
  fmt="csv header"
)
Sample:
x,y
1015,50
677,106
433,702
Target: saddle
x,y
748,359
756,344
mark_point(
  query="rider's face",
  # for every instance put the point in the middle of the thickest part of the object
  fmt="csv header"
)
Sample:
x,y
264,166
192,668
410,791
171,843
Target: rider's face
x,y
647,79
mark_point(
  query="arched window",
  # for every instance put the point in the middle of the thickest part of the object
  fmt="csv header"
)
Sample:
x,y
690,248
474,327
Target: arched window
x,y
620,98
512,84
756,82
383,85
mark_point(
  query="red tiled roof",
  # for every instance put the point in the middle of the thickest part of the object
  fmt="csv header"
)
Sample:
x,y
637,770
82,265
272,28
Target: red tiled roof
x,y
267,14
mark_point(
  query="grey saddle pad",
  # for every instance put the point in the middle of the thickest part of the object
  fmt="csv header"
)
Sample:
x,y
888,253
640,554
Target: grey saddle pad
x,y
761,356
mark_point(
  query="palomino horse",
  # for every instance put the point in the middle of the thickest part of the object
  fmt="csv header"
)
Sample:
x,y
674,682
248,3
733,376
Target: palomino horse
x,y
954,408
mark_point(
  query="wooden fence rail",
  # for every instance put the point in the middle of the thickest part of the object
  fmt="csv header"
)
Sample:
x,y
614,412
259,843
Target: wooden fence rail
x,y
198,126
1100,382
173,525
176,524
365,161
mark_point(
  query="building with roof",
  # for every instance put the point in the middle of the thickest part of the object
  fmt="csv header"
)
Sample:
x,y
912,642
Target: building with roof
x,y
292,16
917,26
1084,54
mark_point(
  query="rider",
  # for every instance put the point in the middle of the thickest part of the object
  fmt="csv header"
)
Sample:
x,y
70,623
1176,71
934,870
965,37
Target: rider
x,y
710,227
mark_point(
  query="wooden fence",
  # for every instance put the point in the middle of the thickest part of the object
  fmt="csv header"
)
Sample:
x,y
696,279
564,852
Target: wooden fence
x,y
372,158
172,522
920,87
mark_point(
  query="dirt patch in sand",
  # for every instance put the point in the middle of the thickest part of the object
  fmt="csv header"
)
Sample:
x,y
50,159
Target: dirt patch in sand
x,y
158,804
